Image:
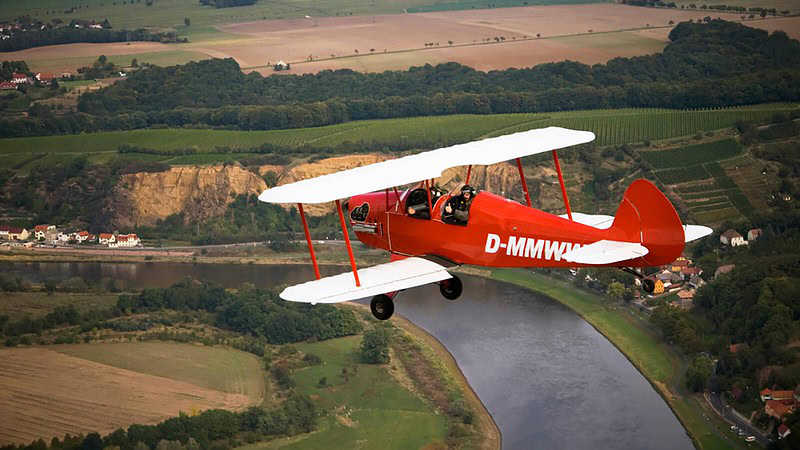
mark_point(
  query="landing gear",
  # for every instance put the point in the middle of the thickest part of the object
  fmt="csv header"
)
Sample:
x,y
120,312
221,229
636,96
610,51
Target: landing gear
x,y
451,288
382,307
648,285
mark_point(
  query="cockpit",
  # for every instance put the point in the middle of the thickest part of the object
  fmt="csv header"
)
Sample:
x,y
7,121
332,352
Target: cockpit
x,y
417,205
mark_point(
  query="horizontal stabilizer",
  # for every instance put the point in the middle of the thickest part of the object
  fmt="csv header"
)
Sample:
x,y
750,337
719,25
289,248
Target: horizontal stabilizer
x,y
605,252
381,279
694,232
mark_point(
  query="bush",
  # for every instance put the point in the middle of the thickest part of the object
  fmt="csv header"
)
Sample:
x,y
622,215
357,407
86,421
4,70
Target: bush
x,y
311,359
375,346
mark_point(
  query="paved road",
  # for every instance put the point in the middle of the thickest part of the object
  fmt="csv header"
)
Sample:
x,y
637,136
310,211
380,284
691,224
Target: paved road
x,y
725,410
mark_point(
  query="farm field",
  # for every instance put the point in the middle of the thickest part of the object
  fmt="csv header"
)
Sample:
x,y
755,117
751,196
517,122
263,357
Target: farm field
x,y
610,126
701,174
367,404
16,305
93,396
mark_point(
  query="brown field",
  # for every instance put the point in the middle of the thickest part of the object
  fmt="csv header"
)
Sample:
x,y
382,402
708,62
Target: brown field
x,y
47,394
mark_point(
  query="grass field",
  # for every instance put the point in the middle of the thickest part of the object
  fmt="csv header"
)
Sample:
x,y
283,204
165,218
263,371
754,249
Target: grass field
x,y
217,368
366,406
165,58
637,341
81,388
610,126
18,304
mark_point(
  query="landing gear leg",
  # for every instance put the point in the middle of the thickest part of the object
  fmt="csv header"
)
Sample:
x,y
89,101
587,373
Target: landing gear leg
x,y
648,285
451,288
382,307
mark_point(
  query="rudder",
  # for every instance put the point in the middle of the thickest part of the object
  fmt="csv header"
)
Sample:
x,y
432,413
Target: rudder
x,y
645,215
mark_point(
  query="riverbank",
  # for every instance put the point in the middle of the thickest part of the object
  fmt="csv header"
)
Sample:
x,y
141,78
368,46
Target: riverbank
x,y
631,334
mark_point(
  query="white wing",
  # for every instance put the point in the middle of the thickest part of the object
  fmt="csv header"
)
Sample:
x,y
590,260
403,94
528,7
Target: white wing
x,y
424,166
380,279
606,252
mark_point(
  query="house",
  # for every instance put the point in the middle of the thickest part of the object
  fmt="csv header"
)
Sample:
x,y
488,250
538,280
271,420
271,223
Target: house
x,y
686,294
732,238
734,348
783,395
7,85
13,233
676,278
721,270
659,288
664,276
679,264
39,231
126,240
66,236
91,238
783,431
20,78
280,65
96,26
106,238
776,409
82,236
696,282
754,234
45,78
689,271
66,74
766,394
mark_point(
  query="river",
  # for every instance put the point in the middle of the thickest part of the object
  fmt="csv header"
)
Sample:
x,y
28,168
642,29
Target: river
x,y
548,378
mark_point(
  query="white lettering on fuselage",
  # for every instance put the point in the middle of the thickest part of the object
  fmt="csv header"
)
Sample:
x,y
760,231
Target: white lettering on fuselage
x,y
529,247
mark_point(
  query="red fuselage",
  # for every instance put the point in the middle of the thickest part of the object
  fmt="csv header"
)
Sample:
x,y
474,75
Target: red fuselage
x,y
500,233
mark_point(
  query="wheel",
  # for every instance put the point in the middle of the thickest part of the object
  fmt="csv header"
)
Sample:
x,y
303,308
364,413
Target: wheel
x,y
648,285
451,289
382,307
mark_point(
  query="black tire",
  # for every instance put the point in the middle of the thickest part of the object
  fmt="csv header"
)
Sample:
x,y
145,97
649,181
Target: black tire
x,y
451,289
382,307
648,285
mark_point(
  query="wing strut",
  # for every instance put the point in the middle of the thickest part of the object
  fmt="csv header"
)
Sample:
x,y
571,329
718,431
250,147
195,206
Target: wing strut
x,y
524,183
308,239
563,187
469,172
347,242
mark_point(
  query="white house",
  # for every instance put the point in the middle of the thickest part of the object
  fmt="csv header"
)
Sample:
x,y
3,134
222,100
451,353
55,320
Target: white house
x,y
40,231
20,78
125,240
732,238
106,238
82,236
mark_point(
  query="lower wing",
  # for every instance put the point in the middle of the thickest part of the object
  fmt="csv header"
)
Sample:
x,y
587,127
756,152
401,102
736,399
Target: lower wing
x,y
390,277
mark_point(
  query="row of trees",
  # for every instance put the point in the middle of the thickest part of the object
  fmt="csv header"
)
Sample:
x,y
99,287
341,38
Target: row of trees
x,y
70,35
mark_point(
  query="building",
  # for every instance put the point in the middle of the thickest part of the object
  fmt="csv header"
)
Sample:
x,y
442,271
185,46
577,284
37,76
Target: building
x,y
783,395
20,78
721,270
106,238
766,394
732,238
7,85
13,233
66,74
754,234
659,288
679,264
690,271
82,236
778,410
696,282
39,231
686,294
783,431
734,348
126,240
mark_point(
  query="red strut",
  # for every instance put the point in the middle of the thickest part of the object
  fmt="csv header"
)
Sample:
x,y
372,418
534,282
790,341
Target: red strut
x,y
524,183
469,172
308,239
347,243
563,187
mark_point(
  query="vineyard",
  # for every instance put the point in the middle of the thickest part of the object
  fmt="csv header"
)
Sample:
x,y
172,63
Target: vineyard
x,y
692,155
610,126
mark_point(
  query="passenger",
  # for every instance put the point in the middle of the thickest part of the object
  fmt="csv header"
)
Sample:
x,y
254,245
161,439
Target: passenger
x,y
418,204
457,208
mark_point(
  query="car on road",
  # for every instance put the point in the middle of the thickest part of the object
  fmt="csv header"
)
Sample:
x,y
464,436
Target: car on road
x,y
750,439
734,428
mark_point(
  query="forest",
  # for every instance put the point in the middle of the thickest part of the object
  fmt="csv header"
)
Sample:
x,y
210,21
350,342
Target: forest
x,y
704,66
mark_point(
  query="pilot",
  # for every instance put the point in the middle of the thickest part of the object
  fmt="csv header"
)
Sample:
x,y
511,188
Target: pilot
x,y
458,207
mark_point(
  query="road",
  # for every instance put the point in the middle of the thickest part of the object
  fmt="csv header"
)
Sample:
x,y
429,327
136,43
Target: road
x,y
725,410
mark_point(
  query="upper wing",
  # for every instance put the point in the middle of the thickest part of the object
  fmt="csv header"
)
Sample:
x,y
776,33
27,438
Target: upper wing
x,y
606,252
424,166
380,279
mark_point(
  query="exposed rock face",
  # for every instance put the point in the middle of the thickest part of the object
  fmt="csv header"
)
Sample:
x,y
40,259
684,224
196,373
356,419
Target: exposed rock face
x,y
198,192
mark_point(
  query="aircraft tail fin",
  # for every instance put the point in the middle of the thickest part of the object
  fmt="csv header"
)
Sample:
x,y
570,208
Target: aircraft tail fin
x,y
646,216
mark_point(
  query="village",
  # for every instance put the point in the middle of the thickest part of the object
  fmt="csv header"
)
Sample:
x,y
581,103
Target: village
x,y
46,234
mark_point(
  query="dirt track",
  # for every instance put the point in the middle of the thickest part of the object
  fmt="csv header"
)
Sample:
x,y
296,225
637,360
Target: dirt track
x,y
34,402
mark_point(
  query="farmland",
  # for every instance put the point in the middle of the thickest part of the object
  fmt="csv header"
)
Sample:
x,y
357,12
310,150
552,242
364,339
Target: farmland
x,y
102,396
705,185
611,127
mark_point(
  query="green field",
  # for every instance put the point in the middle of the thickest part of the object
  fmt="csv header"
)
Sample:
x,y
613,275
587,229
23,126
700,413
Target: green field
x,y
692,155
218,368
15,305
610,126
458,5
640,344
165,58
367,406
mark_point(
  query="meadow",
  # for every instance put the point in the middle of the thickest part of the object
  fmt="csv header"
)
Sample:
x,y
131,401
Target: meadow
x,y
366,404
611,127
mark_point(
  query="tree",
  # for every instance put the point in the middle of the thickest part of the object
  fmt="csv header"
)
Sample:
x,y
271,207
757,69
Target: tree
x,y
699,373
450,42
102,59
187,21
375,346
616,290
134,62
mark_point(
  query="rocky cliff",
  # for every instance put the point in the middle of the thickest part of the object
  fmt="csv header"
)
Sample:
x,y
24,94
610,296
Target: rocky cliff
x,y
202,192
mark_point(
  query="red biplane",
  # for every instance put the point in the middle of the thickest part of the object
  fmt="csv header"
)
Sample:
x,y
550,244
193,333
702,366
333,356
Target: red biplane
x,y
428,231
